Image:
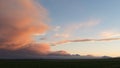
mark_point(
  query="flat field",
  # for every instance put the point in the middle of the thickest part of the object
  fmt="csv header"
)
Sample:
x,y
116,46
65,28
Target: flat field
x,y
42,63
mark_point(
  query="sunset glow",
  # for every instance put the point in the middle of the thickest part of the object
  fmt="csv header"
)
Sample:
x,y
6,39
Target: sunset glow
x,y
37,28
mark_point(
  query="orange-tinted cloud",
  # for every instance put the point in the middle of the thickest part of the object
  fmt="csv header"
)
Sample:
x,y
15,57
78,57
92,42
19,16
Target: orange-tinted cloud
x,y
85,40
41,48
108,34
59,53
19,20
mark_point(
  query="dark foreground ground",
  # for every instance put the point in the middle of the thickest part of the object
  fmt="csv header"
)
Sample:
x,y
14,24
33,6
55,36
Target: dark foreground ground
x,y
93,63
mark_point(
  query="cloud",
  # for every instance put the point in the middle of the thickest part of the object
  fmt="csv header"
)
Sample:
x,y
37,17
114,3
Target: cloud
x,y
59,53
41,48
56,28
33,51
28,54
85,40
81,25
67,31
108,34
19,20
61,35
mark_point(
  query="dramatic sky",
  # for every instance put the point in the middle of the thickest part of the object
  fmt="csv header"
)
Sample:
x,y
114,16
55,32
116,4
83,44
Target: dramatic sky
x,y
36,28
85,19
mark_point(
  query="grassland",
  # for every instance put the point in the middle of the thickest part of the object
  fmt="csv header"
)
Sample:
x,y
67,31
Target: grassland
x,y
91,63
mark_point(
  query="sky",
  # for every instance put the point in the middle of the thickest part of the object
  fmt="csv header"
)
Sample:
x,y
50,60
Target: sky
x,y
103,15
59,28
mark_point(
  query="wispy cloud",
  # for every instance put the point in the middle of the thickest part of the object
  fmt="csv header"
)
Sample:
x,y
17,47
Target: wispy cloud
x,y
69,29
81,25
85,40
108,34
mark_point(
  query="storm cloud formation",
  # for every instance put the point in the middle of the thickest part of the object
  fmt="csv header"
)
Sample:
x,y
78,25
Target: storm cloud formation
x,y
19,21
